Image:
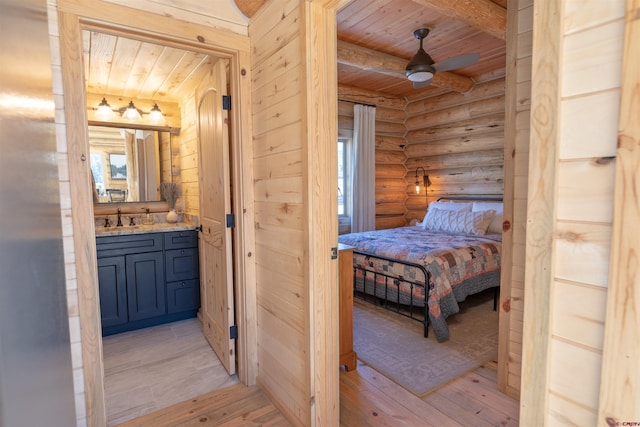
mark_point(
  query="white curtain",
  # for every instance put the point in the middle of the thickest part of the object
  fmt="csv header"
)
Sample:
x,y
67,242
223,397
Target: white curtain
x,y
363,212
131,151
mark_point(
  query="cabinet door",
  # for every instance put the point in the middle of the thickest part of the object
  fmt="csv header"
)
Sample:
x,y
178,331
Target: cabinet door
x,y
112,284
181,264
183,296
145,285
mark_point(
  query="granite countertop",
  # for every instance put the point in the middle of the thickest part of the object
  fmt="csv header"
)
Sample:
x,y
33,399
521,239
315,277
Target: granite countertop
x,y
162,227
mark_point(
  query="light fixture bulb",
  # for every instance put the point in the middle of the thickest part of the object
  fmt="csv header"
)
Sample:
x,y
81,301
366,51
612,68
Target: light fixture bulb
x,y
155,115
131,113
104,111
417,188
420,76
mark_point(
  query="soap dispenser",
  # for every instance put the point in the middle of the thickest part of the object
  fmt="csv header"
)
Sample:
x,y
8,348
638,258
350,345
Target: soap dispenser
x,y
148,219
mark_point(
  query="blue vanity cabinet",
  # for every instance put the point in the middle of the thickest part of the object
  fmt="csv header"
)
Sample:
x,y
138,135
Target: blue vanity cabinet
x,y
182,271
147,279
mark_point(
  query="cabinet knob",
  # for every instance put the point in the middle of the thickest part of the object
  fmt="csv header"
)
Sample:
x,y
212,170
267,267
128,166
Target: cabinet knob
x,y
183,284
182,252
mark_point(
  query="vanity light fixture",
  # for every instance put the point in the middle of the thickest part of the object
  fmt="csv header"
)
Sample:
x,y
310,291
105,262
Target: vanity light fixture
x,y
131,113
104,110
155,115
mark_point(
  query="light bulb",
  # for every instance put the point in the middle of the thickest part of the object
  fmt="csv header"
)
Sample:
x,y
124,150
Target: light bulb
x,y
155,115
131,113
104,111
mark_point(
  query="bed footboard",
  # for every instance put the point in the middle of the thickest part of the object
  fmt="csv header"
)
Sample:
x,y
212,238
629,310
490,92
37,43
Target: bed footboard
x,y
407,296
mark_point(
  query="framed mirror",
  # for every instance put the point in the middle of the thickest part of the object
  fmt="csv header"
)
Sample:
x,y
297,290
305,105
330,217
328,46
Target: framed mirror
x,y
128,165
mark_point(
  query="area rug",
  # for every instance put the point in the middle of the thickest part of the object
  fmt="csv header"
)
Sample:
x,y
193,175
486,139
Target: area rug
x,y
394,345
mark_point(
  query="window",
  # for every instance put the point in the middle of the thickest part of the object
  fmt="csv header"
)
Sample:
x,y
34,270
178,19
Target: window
x,y
118,165
344,176
96,169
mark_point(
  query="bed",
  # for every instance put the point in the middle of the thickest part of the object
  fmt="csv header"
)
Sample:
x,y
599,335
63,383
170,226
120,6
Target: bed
x,y
423,271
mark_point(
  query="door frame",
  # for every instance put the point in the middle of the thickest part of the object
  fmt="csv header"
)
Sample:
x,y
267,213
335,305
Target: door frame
x,y
73,17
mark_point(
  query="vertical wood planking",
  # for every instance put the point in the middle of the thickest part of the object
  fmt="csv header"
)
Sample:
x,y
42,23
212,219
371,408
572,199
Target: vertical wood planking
x,y
321,200
82,219
619,399
545,100
505,344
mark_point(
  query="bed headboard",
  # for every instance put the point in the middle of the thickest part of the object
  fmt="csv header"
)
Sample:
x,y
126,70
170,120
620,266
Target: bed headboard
x,y
478,198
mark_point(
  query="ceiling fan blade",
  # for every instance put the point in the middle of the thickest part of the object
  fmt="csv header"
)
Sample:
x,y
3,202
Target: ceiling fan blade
x,y
385,71
457,62
420,85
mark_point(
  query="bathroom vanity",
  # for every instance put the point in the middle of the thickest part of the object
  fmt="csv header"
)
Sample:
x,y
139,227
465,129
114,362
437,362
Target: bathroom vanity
x,y
147,276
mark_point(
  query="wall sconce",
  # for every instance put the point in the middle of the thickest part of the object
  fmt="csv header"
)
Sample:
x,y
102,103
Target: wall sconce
x,y
131,113
425,179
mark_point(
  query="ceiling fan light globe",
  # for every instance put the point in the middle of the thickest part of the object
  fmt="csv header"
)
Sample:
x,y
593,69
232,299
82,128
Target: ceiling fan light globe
x,y
420,76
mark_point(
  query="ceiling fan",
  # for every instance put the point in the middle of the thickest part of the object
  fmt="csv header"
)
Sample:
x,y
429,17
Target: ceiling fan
x,y
421,68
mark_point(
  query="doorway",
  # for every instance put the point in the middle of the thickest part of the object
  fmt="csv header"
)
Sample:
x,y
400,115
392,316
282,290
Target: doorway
x,y
121,70
71,27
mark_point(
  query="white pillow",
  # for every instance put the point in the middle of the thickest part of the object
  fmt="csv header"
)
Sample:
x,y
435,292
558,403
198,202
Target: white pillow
x,y
495,227
458,221
447,206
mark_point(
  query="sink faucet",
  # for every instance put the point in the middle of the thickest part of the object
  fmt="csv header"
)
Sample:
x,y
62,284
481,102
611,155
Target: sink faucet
x,y
119,224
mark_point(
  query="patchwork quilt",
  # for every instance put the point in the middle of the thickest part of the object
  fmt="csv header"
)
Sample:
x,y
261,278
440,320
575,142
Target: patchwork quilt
x,y
458,264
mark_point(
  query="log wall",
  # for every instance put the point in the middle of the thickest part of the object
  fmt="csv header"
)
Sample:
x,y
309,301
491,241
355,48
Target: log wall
x,y
459,140
390,157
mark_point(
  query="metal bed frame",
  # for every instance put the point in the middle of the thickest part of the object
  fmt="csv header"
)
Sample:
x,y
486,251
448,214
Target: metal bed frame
x,y
399,302
385,298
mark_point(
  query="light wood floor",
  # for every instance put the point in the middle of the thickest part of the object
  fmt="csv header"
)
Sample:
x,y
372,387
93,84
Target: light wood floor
x,y
367,398
154,368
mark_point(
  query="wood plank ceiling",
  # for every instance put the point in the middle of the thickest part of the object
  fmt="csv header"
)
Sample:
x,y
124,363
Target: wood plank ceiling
x,y
372,34
123,69
385,28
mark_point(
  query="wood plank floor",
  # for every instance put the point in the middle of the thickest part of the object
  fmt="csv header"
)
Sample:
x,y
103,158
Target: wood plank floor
x,y
367,398
168,376
153,368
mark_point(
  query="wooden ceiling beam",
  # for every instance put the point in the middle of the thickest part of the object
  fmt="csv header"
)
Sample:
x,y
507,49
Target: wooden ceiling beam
x,y
249,7
372,60
484,15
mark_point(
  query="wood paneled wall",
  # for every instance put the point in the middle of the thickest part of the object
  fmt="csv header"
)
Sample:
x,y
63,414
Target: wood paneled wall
x,y
280,219
189,201
459,140
390,157
574,118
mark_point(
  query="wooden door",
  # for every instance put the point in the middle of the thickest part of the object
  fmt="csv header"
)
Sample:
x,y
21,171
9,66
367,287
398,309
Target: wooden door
x,y
216,273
